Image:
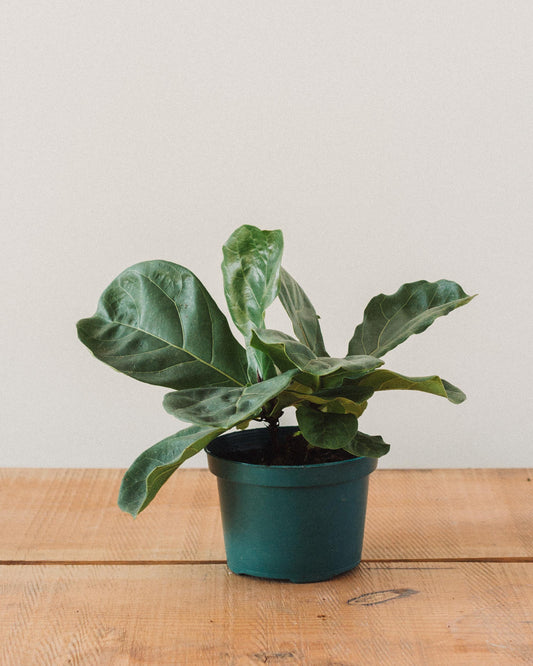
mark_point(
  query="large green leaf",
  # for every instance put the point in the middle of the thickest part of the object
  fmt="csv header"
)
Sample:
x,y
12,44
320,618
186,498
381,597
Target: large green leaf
x,y
302,314
337,405
349,389
157,323
286,352
225,407
153,467
325,430
251,268
389,320
351,366
349,396
385,380
372,446
340,405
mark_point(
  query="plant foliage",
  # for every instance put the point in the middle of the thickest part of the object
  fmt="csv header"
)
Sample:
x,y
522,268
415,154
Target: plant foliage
x,y
157,323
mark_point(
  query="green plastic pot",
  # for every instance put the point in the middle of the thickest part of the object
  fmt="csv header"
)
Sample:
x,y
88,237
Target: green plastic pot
x,y
299,523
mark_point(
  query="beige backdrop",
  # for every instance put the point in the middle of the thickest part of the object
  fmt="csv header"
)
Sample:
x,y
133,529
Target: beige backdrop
x,y
390,141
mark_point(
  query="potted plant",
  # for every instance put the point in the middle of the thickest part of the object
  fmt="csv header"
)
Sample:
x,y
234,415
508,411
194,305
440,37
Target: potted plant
x,y
293,499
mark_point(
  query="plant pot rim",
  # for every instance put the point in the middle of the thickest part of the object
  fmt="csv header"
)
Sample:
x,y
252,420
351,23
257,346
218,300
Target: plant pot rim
x,y
314,474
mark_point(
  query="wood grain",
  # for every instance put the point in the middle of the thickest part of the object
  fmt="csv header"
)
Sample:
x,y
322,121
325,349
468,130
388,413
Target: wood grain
x,y
450,514
72,516
463,613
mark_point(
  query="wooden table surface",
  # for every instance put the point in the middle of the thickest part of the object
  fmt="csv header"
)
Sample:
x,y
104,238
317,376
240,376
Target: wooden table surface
x,y
446,577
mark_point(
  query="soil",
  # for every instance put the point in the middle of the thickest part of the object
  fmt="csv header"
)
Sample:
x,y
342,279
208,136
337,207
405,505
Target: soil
x,y
293,451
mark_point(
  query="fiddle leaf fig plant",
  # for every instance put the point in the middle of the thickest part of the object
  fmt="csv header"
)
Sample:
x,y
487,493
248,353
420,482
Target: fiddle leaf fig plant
x,y
157,323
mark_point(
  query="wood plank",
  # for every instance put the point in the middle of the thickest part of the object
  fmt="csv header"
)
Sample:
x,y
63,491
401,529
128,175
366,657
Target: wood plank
x,y
462,613
450,514
71,515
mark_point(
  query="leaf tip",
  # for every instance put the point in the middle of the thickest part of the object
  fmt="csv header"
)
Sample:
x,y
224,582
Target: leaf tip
x,y
458,399
128,509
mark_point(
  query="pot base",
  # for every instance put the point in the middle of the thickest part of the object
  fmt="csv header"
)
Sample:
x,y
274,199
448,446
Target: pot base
x,y
317,577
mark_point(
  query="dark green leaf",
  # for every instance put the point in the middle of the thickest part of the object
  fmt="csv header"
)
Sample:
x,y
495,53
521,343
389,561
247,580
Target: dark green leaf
x,y
385,380
286,352
349,398
372,446
337,405
349,389
302,314
389,320
251,268
341,406
225,407
157,323
153,467
351,366
327,431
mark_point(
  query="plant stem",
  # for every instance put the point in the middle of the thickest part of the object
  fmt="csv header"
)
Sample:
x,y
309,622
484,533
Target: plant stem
x,y
273,427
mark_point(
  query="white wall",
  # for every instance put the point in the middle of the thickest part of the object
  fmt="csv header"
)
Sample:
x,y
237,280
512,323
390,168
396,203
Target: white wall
x,y
390,141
